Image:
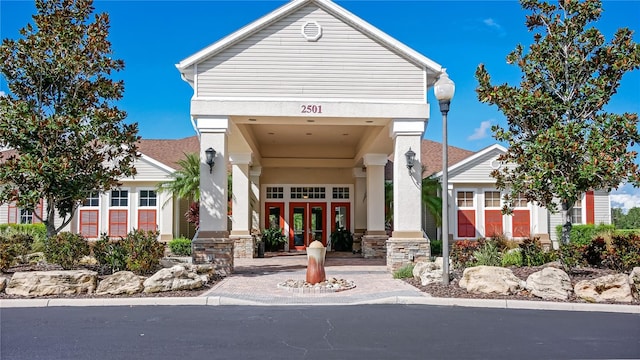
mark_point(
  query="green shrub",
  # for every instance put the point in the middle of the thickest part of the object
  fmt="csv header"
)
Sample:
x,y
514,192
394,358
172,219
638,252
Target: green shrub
x,y
583,234
594,251
571,255
436,247
273,238
533,254
22,243
180,246
38,232
404,272
143,251
488,254
65,249
341,240
623,254
7,252
110,255
626,231
511,257
462,253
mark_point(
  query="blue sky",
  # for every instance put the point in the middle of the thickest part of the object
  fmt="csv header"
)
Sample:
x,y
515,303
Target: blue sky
x,y
152,36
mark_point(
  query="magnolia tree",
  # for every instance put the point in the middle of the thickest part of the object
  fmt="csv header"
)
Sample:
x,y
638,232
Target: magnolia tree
x,y
59,117
561,139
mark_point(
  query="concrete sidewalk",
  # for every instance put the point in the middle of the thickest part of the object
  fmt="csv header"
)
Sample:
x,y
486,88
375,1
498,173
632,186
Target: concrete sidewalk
x,y
254,282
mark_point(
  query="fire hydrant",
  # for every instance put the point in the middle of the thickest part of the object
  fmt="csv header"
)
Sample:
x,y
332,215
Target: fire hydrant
x,y
315,267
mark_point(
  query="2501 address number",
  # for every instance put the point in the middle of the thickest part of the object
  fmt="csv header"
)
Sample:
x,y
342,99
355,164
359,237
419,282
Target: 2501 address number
x,y
311,109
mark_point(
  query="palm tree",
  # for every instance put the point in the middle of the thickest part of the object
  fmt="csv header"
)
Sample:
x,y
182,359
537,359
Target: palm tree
x,y
186,180
430,199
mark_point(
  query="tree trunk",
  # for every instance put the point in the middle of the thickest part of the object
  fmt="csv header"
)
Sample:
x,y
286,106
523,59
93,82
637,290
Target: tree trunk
x,y
566,217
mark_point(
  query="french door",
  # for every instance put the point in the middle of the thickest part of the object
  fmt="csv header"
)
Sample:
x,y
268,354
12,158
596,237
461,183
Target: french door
x,y
307,223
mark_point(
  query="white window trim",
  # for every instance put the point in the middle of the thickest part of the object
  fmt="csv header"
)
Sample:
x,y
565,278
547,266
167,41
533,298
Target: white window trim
x,y
484,193
147,207
455,191
82,206
128,190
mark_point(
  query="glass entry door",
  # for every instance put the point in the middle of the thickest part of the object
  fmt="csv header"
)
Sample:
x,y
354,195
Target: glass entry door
x,y
306,224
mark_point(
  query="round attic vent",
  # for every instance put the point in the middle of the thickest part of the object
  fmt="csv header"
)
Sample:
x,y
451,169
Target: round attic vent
x,y
311,30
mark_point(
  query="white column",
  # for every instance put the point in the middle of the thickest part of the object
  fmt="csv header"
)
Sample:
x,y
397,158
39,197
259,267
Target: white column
x,y
407,183
213,184
360,199
375,193
254,176
240,223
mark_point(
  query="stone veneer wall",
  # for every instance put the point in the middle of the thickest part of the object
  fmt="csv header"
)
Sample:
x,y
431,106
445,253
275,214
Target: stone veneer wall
x,y
374,246
357,242
244,247
216,251
401,252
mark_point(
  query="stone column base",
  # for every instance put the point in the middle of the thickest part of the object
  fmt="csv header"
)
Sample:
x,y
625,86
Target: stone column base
x,y
216,251
357,242
404,251
243,246
374,246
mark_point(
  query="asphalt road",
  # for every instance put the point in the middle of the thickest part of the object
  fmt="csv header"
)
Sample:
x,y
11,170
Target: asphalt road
x,y
316,332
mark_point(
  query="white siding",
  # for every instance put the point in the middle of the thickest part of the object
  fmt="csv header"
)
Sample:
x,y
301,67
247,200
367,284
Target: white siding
x,y
149,171
278,62
477,171
601,207
4,213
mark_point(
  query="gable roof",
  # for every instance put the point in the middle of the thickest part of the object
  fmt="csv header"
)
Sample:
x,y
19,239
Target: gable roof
x,y
432,68
169,151
431,158
474,157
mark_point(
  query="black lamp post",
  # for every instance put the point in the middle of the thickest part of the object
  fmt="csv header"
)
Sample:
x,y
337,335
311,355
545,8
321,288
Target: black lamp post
x,y
444,89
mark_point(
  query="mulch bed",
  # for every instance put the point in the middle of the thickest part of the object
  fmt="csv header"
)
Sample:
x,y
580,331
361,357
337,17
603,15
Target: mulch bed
x,y
49,267
453,290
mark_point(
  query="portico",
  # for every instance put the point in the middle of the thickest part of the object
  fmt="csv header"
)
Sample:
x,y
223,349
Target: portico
x,y
305,106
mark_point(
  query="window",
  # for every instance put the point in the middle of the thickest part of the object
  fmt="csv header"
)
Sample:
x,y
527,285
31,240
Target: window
x,y
92,199
492,199
26,216
576,212
465,198
340,192
308,192
147,198
520,201
275,192
120,198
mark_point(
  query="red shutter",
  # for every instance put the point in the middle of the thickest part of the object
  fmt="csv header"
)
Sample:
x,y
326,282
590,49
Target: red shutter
x,y
492,223
117,223
13,214
467,223
521,224
591,213
89,223
147,220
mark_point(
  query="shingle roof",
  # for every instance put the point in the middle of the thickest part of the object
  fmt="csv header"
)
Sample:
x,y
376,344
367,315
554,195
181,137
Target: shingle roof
x,y
431,157
169,151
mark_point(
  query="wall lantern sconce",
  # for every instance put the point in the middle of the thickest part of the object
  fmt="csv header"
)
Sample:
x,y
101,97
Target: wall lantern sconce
x,y
210,155
411,158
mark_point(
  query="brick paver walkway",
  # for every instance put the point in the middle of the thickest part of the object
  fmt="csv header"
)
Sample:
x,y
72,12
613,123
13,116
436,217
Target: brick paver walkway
x,y
254,281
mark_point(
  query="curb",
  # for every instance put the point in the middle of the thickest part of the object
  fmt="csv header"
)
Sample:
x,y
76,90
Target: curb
x,y
392,300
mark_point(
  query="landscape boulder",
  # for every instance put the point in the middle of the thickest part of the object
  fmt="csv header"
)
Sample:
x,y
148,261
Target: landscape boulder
x,y
3,283
122,282
59,282
550,283
606,288
634,281
490,280
428,272
173,279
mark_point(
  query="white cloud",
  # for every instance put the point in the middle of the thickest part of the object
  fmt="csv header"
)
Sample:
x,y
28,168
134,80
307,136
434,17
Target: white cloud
x,y
625,197
489,22
481,132
2,93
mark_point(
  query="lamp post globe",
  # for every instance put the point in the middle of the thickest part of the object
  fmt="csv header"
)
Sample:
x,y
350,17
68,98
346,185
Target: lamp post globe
x,y
444,89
